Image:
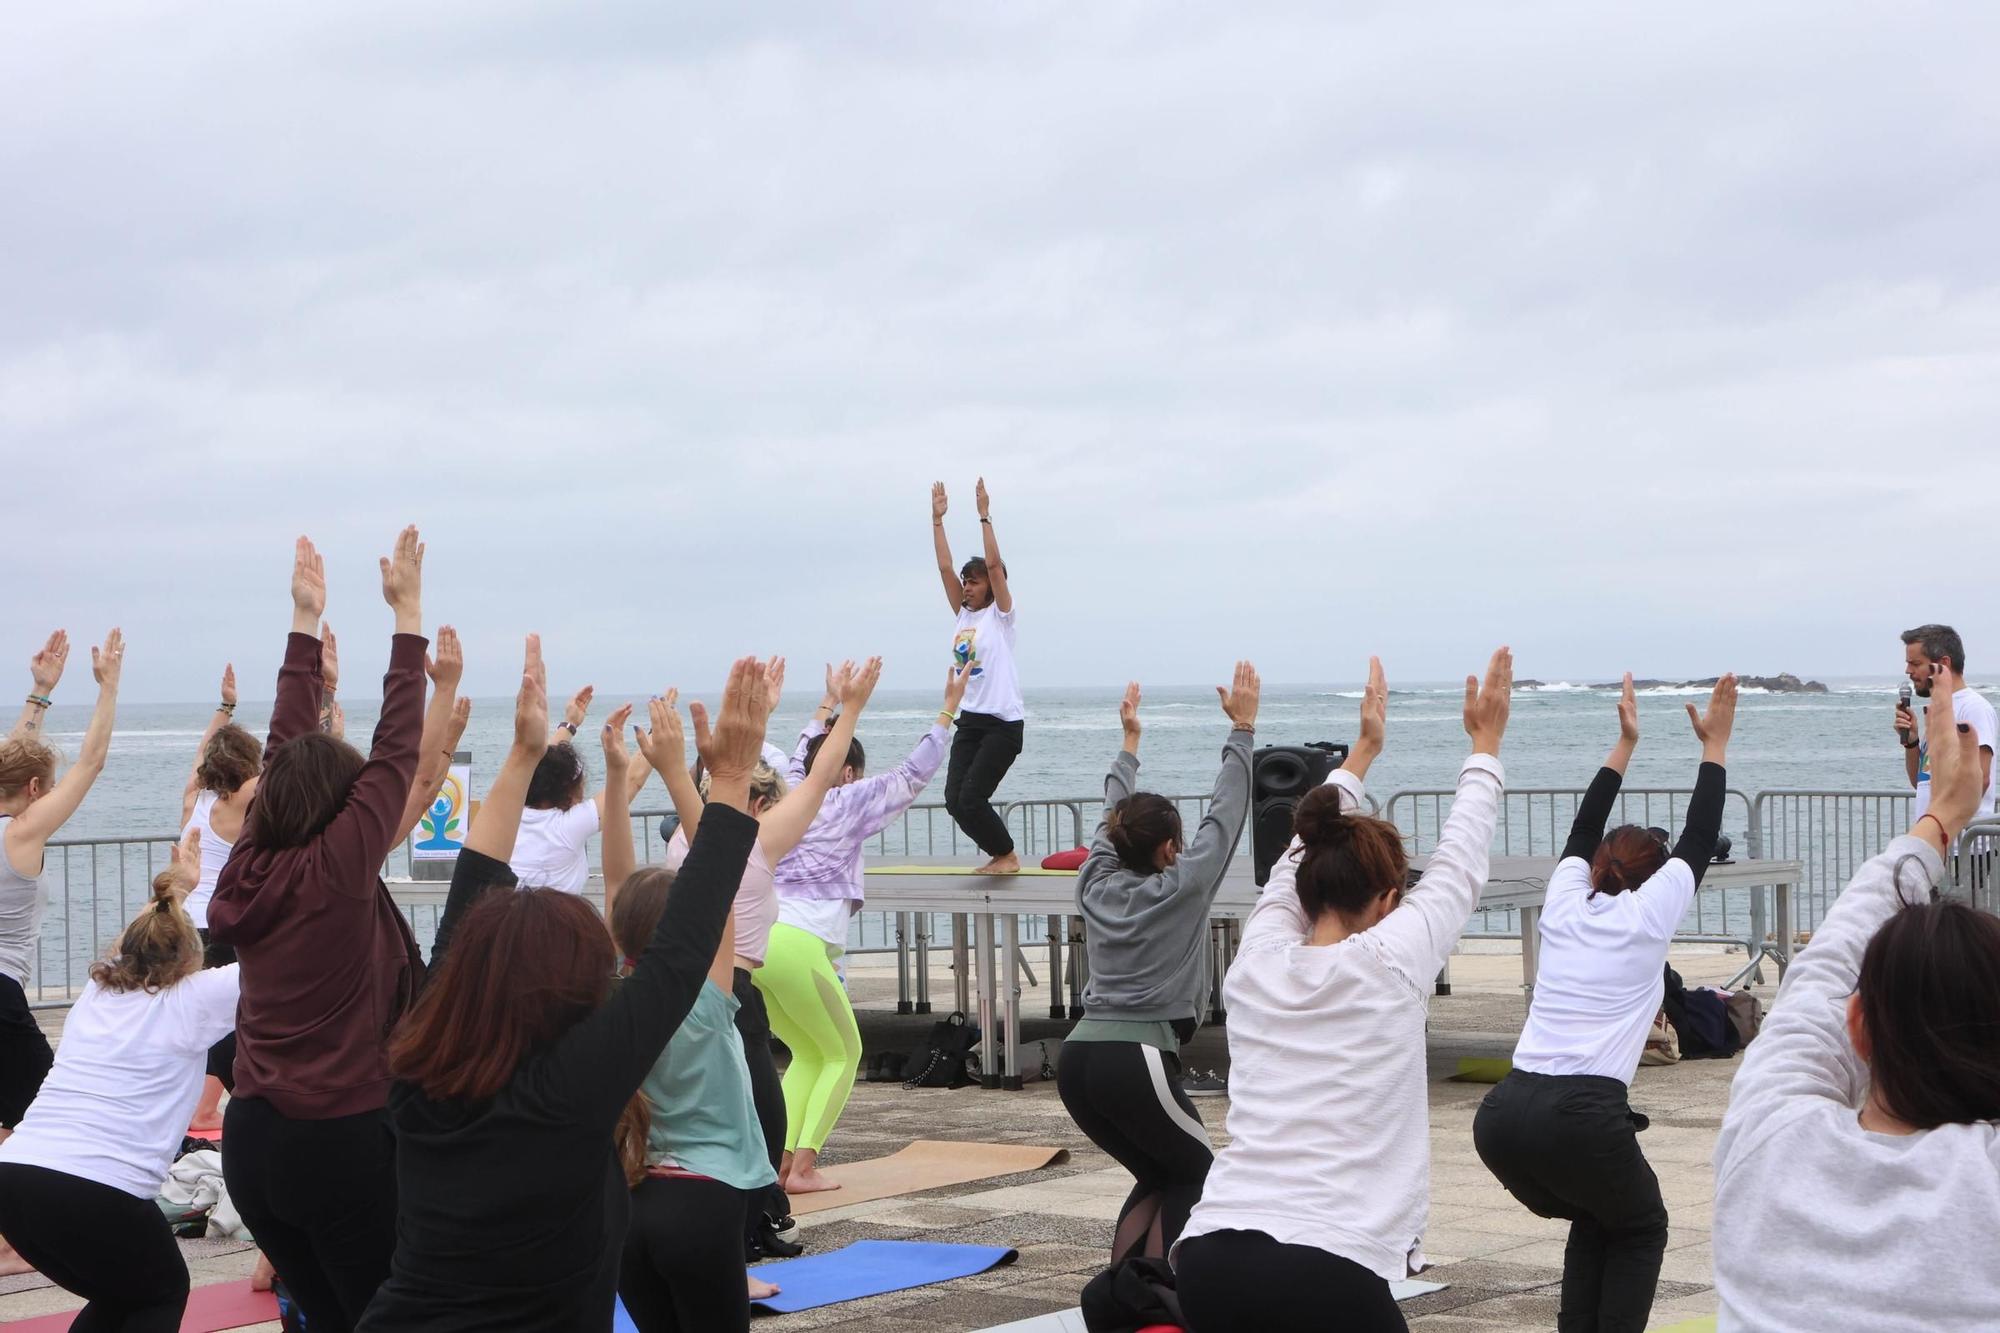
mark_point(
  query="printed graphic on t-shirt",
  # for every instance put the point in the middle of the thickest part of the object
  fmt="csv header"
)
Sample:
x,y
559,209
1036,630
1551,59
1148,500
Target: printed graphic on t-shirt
x,y
965,651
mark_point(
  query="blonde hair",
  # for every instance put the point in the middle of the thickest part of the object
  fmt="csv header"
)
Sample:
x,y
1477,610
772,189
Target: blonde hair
x,y
23,760
158,949
765,781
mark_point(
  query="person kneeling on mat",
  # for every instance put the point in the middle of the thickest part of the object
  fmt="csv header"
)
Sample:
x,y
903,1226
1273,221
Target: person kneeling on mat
x,y
1860,1156
1146,904
1559,1131
1321,1198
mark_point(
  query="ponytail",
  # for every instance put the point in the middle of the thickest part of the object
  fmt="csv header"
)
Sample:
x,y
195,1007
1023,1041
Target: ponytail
x,y
159,948
1139,826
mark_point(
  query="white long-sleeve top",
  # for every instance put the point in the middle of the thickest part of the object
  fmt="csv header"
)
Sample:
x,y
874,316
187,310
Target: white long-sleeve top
x,y
1819,1223
1329,1120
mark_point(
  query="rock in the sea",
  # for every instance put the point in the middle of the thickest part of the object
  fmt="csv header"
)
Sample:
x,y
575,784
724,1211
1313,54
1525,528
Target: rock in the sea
x,y
1782,683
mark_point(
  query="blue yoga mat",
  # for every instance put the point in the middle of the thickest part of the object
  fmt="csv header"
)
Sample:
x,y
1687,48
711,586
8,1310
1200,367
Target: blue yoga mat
x,y
871,1267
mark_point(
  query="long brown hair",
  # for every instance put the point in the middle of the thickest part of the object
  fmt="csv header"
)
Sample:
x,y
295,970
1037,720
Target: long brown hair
x,y
159,948
524,967
1930,1003
306,781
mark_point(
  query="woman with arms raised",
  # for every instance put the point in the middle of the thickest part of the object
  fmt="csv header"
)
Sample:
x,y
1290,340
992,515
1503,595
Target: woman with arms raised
x,y
553,847
1559,1131
328,964
820,888
783,816
518,1124
1146,901
77,1182
1857,1176
33,806
1321,1198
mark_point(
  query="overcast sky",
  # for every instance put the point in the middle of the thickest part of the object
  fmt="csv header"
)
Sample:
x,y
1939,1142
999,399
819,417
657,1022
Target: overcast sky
x,y
1659,338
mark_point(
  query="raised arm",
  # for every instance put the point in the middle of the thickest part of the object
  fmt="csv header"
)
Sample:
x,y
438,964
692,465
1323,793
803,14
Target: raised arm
x,y
996,568
664,747
603,1058
620,858
29,832
216,722
490,841
1120,782
1418,935
300,685
784,825
1594,810
880,799
444,723
1804,1054
954,591
332,720
1704,816
45,670
359,838
1207,855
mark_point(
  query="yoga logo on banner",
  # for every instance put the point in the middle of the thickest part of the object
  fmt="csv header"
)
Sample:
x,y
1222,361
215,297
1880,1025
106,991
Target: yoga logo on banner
x,y
441,830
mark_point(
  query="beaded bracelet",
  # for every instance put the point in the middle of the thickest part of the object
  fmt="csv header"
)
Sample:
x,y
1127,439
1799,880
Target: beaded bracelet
x,y
40,700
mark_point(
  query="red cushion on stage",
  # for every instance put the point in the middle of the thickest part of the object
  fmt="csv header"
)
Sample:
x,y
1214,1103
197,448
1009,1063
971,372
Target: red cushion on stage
x,y
1069,860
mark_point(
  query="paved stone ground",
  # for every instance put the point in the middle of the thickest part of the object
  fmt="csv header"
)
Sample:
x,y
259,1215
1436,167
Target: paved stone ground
x,y
1503,1265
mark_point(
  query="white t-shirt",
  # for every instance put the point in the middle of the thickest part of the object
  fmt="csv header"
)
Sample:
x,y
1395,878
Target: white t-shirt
x,y
984,643
1329,1112
214,855
126,1078
552,850
1969,707
1597,978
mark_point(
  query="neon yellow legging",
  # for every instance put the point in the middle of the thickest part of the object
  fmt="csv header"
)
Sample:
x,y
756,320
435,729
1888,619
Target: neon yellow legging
x,y
811,1015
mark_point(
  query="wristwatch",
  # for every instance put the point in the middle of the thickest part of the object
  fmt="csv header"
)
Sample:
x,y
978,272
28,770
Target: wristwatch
x,y
572,727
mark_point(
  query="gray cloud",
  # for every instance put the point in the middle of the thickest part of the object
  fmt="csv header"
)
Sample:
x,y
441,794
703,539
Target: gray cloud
x,y
1665,340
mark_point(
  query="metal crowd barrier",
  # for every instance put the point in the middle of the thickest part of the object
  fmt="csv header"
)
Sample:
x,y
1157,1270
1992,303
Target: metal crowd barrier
x,y
96,884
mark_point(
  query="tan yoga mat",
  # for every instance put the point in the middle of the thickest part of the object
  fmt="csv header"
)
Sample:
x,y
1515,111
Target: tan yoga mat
x,y
967,871
925,1165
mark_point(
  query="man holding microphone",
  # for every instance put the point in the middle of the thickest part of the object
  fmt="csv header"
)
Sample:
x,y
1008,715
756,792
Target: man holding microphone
x,y
1934,658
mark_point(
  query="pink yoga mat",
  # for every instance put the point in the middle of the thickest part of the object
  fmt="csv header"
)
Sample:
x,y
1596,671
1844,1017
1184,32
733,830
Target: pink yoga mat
x,y
209,1310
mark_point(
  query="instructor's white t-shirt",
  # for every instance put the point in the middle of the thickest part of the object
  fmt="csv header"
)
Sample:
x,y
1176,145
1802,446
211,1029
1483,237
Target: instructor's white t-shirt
x,y
552,851
984,644
1969,707
126,1078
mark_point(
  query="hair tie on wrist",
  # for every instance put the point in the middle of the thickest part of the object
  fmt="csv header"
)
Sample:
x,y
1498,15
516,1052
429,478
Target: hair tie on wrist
x,y
1942,832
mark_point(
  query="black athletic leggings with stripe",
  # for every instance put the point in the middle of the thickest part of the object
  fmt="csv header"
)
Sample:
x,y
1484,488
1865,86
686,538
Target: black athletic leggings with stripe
x,y
1127,1098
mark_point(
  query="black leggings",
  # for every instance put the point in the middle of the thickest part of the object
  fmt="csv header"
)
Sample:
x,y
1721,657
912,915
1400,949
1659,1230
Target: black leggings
x,y
112,1249
320,1197
767,1091
222,1055
25,1056
1127,1098
982,751
682,1270
1568,1146
1246,1282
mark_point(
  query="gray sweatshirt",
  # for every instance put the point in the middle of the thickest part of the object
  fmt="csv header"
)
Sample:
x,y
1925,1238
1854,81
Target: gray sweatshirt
x,y
1820,1224
1147,934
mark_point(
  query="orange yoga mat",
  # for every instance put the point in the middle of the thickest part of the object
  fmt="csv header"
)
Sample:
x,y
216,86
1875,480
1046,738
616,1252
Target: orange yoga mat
x,y
209,1310
924,1165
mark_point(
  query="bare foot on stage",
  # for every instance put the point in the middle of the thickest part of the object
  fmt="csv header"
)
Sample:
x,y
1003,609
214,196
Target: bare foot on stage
x,y
761,1291
1010,864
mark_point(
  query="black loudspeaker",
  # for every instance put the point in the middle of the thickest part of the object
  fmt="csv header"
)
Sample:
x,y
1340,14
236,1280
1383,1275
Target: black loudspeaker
x,y
1280,776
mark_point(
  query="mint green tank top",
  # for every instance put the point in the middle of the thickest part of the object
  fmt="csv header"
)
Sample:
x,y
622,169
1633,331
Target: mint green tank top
x,y
704,1119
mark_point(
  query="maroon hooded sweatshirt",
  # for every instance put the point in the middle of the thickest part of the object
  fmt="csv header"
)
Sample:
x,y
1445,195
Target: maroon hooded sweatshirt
x,y
328,963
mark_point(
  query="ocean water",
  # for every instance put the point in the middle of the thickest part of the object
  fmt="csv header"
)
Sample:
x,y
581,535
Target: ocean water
x,y
1557,737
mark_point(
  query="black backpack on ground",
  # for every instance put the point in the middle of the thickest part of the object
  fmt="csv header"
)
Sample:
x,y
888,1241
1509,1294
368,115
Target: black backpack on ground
x,y
1132,1295
940,1061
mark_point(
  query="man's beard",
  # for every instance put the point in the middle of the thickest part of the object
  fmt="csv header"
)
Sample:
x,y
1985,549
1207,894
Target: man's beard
x,y
1924,690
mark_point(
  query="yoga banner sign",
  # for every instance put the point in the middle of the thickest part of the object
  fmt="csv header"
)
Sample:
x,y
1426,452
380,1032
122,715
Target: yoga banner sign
x,y
440,832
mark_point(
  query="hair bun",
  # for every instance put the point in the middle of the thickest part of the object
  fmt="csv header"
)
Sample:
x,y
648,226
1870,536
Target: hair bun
x,y
1319,821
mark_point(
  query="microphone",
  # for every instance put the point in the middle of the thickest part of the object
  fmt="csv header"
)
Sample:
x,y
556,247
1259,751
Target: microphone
x,y
1903,698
